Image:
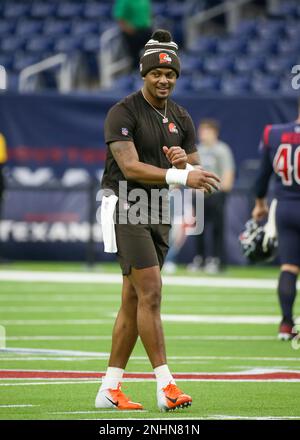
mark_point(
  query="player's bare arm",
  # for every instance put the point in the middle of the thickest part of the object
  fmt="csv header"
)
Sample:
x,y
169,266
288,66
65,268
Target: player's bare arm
x,y
260,210
127,159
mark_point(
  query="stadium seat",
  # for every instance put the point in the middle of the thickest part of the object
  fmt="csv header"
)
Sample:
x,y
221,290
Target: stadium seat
x,y
56,27
218,64
288,46
292,29
279,65
69,10
190,63
29,27
6,60
23,59
286,9
231,45
12,43
246,29
43,10
84,27
203,45
97,10
183,84
40,44
91,43
260,46
247,64
12,9
233,84
264,84
205,83
124,83
67,44
7,27
267,29
158,8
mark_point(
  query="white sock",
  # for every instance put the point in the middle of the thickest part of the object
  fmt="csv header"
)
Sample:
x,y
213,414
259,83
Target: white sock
x,y
163,376
112,378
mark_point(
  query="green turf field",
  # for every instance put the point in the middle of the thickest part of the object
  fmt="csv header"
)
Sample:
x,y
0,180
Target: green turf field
x,y
208,329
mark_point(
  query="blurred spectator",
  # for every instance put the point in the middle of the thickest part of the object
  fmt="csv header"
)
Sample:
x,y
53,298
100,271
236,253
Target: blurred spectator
x,y
134,18
215,156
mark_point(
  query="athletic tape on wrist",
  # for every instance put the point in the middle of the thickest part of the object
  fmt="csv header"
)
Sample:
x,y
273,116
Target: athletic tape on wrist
x,y
176,177
189,167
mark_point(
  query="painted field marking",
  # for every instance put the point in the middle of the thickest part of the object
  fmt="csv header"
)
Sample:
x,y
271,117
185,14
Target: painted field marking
x,y
191,319
246,376
90,278
17,406
175,338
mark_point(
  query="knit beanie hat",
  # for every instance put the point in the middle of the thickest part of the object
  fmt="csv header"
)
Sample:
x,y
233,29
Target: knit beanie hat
x,y
160,51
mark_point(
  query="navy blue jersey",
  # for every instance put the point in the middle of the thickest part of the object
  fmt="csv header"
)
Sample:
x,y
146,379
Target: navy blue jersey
x,y
280,149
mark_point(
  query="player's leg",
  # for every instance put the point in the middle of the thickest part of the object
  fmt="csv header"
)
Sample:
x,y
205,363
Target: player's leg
x,y
147,283
287,291
123,341
288,226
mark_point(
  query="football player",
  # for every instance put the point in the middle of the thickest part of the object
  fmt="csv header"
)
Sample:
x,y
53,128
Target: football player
x,y
280,154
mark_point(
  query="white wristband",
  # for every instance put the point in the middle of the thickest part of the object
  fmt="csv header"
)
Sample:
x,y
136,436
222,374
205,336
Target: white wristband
x,y
176,177
189,167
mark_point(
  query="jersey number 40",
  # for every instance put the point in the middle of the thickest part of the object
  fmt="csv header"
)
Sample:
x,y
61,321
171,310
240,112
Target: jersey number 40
x,y
286,164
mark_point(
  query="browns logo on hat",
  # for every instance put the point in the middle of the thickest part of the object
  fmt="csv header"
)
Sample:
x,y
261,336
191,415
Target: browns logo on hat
x,y
160,51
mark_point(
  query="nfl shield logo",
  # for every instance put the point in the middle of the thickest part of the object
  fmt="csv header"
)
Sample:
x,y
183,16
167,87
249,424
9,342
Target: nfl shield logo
x,y
124,131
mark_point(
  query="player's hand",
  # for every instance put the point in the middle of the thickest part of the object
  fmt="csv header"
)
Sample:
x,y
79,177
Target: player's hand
x,y
204,180
176,156
260,210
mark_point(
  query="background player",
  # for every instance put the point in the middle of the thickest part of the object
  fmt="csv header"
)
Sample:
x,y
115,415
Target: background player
x,y
280,148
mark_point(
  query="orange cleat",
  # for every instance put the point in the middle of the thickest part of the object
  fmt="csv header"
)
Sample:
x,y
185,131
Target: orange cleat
x,y
115,399
171,397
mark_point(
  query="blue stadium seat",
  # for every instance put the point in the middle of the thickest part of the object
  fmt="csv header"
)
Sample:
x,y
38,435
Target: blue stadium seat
x,y
56,27
12,43
6,60
262,46
205,83
234,84
158,8
267,29
176,10
232,45
7,27
218,64
124,83
24,59
68,10
183,84
279,65
248,64
12,9
288,46
264,84
40,44
292,29
67,44
91,43
286,9
84,27
43,10
97,10
204,45
28,27
246,29
190,63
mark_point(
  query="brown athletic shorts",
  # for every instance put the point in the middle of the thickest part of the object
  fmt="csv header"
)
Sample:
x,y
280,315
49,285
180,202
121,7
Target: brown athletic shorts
x,y
141,246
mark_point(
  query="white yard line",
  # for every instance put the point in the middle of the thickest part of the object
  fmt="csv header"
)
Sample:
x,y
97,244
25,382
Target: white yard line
x,y
171,338
74,277
191,319
103,355
17,406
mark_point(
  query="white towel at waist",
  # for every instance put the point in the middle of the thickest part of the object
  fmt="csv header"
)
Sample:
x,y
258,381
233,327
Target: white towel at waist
x,y
107,222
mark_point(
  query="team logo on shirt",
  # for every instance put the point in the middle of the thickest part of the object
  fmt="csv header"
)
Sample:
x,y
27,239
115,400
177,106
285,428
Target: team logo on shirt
x,y
164,58
173,128
124,131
